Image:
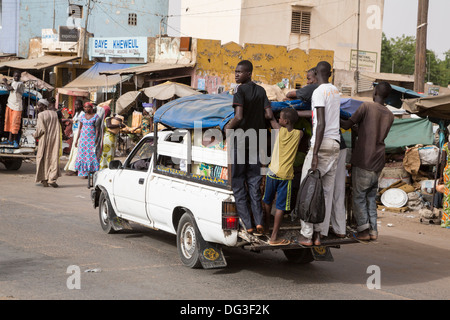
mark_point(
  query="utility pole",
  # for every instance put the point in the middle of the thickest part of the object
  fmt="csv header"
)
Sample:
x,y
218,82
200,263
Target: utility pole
x,y
357,46
85,31
54,14
421,46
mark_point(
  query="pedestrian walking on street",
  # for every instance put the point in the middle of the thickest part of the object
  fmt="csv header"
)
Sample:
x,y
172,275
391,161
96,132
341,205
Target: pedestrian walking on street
x,y
112,129
47,133
87,160
373,121
70,165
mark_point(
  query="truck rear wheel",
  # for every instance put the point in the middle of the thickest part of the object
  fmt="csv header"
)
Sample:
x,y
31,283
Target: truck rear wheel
x,y
300,256
13,164
188,245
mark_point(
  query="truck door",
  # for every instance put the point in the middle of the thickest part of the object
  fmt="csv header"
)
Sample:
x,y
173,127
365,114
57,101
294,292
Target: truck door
x,y
130,183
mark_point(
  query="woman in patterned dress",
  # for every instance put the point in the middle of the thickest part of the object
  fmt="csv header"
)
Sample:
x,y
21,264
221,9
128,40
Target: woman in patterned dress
x,y
445,188
112,125
86,157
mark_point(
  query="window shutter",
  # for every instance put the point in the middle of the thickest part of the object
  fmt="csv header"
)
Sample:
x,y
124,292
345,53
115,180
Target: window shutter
x,y
301,22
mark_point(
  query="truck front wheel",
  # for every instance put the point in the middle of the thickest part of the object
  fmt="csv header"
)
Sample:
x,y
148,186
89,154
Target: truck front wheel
x,y
104,208
188,241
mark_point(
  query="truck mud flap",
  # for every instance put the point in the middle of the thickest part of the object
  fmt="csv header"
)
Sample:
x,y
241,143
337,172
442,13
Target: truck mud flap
x,y
211,255
322,253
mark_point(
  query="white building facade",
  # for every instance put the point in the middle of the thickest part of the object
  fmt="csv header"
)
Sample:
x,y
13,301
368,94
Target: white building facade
x,y
343,26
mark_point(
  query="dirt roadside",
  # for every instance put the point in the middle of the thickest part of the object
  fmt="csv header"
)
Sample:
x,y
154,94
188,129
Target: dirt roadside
x,y
407,225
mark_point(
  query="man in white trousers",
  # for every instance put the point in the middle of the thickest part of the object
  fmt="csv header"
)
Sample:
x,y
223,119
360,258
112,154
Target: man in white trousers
x,y
325,144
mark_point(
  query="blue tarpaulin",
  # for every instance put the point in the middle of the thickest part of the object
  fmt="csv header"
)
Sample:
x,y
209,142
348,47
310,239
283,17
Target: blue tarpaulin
x,y
215,110
25,94
211,109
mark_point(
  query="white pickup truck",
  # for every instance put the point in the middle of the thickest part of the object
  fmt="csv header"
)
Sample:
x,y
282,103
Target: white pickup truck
x,y
161,186
12,158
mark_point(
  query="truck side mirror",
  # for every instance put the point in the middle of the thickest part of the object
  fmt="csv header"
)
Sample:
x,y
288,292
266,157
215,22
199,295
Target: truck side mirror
x,y
115,164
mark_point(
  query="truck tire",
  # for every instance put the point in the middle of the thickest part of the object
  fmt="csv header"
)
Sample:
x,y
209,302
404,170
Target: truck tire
x,y
188,245
300,256
104,209
13,164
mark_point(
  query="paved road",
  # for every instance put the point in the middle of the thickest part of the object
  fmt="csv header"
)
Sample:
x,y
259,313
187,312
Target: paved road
x,y
44,231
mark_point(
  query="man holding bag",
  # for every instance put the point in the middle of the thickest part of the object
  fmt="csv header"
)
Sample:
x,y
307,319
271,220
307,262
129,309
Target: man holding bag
x,y
325,144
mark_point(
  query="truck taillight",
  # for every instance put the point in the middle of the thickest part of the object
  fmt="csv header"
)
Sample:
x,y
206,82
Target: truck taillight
x,y
230,222
230,219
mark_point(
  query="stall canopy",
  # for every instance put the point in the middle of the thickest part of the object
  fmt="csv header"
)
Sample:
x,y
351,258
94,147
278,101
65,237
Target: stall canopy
x,y
93,78
168,90
434,107
76,92
146,68
37,63
35,83
125,102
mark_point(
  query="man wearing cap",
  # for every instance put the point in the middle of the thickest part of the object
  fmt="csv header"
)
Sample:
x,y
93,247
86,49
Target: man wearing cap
x,y
47,133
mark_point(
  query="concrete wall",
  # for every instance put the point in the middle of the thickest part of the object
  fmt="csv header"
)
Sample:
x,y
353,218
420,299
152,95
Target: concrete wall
x,y
108,18
210,20
9,28
216,63
334,25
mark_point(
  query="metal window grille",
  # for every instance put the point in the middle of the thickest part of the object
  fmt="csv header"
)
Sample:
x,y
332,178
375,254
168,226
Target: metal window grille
x,y
301,22
75,11
132,19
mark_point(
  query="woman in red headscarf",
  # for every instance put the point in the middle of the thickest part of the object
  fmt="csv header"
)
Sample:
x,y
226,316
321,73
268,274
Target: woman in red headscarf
x,y
86,157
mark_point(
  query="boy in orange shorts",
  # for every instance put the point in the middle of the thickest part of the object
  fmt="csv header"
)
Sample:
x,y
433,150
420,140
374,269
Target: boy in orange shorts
x,y
14,107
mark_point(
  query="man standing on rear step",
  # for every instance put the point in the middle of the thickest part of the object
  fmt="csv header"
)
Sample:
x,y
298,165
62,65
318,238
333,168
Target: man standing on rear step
x,y
371,122
251,108
325,144
14,107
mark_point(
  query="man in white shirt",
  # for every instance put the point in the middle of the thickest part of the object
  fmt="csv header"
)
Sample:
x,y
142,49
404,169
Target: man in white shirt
x,y
14,107
325,144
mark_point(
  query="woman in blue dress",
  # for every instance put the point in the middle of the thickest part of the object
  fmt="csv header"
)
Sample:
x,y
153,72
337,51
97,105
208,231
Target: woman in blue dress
x,y
86,157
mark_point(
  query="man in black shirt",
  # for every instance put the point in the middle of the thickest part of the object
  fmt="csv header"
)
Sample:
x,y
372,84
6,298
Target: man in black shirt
x,y
306,92
251,107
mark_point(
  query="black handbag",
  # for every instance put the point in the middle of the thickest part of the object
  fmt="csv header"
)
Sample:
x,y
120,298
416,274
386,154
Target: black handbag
x,y
310,205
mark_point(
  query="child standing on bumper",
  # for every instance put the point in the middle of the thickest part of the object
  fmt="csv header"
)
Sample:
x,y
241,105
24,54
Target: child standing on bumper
x,y
281,170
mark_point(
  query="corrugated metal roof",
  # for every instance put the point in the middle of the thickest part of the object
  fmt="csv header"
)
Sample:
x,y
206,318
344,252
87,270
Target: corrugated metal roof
x,y
37,63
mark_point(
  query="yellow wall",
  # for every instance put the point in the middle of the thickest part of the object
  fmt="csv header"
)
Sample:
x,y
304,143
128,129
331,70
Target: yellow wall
x,y
271,63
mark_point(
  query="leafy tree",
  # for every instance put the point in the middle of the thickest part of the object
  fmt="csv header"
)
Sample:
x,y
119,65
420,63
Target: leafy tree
x,y
398,56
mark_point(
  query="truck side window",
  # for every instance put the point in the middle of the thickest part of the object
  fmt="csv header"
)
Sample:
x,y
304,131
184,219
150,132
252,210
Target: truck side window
x,y
172,162
142,157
